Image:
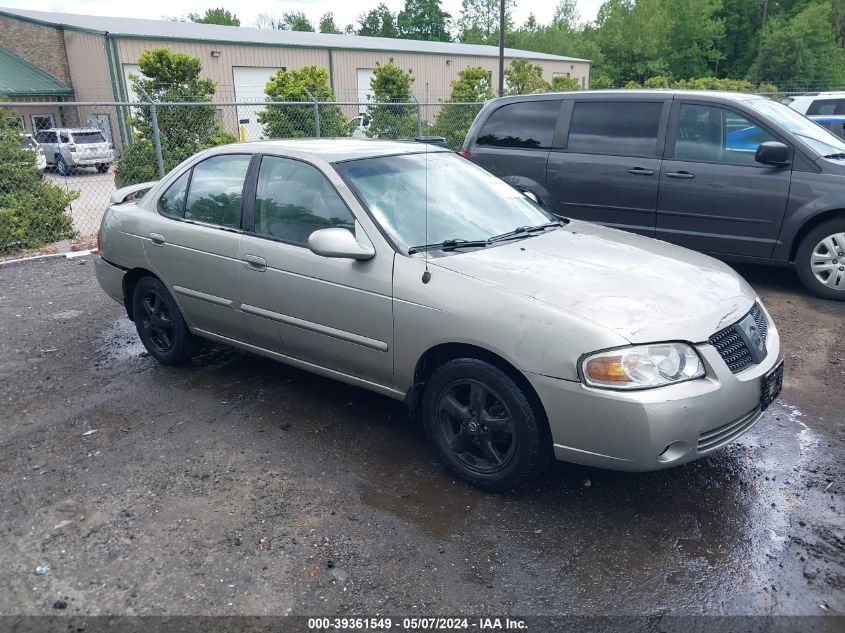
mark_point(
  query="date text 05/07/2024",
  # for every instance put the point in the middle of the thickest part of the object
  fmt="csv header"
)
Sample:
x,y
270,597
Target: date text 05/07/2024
x,y
417,624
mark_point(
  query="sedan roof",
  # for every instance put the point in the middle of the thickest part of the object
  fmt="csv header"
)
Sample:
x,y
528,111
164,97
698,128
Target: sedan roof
x,y
336,150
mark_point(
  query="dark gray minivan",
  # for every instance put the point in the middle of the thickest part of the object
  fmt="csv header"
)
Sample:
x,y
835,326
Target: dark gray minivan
x,y
737,176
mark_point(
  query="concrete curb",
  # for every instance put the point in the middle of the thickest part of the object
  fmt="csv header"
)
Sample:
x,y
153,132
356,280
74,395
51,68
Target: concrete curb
x,y
70,255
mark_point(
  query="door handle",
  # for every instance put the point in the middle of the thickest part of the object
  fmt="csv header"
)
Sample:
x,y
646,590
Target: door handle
x,y
157,239
679,174
254,262
641,171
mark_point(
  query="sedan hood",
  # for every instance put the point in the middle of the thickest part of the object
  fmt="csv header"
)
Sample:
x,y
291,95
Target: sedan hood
x,y
641,288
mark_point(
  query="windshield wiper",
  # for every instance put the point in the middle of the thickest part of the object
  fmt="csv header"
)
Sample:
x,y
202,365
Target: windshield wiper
x,y
448,245
836,155
522,231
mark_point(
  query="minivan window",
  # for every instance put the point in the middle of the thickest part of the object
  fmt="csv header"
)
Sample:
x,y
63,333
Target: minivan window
x,y
294,199
88,138
615,128
822,141
717,135
528,124
216,189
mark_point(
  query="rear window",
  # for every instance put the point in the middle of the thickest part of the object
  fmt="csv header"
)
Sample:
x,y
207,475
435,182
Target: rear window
x,y
529,124
615,128
88,138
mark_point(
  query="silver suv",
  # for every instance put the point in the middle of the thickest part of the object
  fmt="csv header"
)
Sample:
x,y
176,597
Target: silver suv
x,y
67,148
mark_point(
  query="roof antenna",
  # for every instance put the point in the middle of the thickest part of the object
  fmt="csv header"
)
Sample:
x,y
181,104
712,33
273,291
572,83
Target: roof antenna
x,y
426,277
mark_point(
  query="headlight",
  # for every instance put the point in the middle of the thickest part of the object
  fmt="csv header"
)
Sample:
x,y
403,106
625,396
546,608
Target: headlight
x,y
642,366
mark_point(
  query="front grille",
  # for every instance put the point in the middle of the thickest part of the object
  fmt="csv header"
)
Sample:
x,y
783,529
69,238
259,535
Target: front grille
x,y
731,345
721,435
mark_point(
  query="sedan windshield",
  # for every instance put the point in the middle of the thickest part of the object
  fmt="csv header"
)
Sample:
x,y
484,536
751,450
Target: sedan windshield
x,y
814,135
440,197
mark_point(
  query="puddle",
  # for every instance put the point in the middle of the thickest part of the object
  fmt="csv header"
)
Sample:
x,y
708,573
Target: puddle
x,y
118,346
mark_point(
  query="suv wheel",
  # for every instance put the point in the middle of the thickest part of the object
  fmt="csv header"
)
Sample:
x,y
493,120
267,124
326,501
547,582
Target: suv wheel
x,y
483,426
820,260
61,166
160,324
102,167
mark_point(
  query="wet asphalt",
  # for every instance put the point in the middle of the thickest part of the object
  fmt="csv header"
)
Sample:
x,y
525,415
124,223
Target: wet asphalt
x,y
237,485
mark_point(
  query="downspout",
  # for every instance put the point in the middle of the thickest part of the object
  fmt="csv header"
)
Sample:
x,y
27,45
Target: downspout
x,y
331,72
121,84
114,90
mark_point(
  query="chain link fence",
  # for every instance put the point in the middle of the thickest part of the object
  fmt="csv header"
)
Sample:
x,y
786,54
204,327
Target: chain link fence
x,y
60,162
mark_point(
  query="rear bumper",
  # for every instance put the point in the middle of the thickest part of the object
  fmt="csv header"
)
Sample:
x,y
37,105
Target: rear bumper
x,y
110,278
655,428
85,162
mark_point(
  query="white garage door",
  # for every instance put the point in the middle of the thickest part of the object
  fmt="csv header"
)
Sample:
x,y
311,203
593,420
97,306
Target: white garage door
x,y
134,69
365,76
249,86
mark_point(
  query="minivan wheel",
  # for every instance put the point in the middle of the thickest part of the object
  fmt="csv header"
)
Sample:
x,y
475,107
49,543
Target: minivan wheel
x,y
160,324
61,166
820,260
483,426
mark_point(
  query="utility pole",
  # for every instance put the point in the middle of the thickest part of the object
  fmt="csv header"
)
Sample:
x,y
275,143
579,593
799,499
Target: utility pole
x,y
502,48
765,4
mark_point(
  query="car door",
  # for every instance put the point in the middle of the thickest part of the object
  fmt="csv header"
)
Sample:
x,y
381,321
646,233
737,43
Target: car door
x,y
48,140
605,165
333,313
192,244
714,197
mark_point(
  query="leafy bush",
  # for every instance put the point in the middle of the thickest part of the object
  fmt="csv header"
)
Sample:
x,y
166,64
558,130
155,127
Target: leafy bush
x,y
563,83
297,121
391,87
523,77
184,130
32,212
471,88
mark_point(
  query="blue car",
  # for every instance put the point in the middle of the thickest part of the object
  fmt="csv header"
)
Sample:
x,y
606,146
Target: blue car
x,y
833,122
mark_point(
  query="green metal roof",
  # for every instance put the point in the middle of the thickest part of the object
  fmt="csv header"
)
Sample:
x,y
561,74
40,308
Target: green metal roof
x,y
19,78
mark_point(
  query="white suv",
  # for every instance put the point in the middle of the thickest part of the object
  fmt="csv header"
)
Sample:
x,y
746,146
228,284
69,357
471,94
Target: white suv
x,y
819,103
67,148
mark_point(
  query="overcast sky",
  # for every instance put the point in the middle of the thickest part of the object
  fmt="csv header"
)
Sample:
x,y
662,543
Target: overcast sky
x,y
345,12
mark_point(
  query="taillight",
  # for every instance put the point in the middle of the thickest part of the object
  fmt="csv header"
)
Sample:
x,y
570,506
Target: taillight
x,y
99,248
464,153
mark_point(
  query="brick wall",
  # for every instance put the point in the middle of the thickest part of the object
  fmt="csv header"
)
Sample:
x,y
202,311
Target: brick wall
x,y
42,46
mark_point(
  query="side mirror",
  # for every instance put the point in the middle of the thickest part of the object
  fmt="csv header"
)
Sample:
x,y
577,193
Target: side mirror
x,y
773,153
339,243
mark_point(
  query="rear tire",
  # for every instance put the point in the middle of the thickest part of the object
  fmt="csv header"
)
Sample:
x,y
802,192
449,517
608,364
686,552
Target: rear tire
x,y
820,260
484,427
160,325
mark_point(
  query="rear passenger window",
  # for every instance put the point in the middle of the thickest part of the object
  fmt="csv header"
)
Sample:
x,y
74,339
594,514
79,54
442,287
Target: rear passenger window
x,y
216,189
615,128
172,203
294,199
529,124
827,106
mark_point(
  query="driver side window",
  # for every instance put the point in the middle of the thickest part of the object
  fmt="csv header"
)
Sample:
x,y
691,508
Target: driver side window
x,y
716,135
293,199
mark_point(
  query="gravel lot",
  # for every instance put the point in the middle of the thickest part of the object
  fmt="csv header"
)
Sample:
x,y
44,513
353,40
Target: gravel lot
x,y
241,486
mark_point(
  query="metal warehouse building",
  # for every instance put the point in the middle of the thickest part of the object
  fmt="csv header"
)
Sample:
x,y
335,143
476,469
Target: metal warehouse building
x,y
64,57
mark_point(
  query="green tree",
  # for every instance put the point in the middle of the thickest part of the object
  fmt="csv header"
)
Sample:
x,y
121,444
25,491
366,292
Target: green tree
x,y
185,130
327,24
297,121
215,16
32,211
469,91
392,87
742,31
379,22
296,21
565,83
424,20
523,77
479,21
693,32
630,36
802,52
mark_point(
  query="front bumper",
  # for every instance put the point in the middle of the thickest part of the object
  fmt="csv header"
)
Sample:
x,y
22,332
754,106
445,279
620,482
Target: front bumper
x,y
110,278
657,428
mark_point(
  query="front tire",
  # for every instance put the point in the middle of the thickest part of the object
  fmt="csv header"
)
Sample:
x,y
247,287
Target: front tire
x,y
484,427
820,260
160,324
